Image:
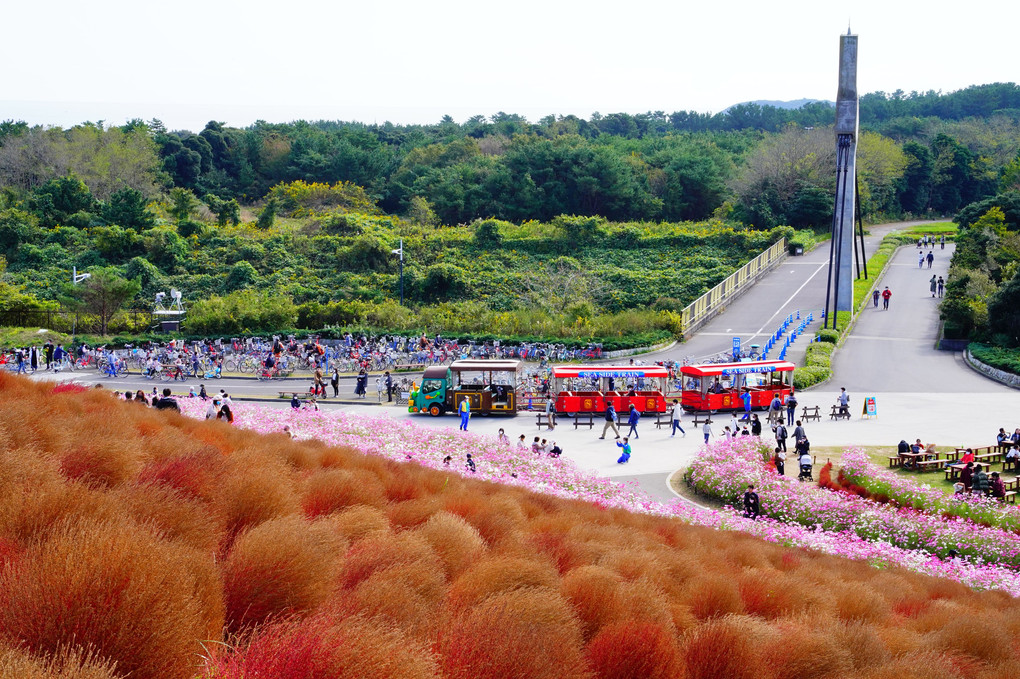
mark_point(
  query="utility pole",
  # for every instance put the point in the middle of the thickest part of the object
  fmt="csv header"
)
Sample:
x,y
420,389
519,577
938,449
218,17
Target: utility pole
x,y
400,252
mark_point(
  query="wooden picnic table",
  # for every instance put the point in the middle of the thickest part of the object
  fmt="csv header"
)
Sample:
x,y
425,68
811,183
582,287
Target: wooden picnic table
x,y
920,461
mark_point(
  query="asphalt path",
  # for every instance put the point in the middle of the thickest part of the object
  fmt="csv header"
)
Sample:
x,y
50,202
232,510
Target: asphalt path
x,y
795,284
894,350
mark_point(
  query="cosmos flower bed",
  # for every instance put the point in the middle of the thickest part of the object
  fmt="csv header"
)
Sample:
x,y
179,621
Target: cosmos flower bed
x,y
886,486
802,516
724,469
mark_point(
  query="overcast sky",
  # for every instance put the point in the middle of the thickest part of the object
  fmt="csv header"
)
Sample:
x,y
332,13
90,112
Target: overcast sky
x,y
190,61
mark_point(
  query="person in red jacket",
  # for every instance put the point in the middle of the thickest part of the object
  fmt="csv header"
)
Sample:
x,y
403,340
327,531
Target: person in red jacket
x,y
886,294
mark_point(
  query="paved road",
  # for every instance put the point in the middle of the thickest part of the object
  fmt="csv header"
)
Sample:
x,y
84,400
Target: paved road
x,y
894,350
797,284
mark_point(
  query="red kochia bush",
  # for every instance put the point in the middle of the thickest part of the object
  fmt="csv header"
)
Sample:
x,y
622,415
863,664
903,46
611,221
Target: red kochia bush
x,y
71,664
632,650
722,649
321,648
283,566
523,633
108,589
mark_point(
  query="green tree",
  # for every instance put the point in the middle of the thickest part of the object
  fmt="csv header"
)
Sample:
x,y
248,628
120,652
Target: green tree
x,y
487,234
104,293
226,211
268,214
56,200
1004,312
182,203
127,208
242,275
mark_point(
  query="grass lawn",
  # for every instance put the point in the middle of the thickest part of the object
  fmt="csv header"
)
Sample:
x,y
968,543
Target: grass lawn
x,y
23,337
880,456
938,228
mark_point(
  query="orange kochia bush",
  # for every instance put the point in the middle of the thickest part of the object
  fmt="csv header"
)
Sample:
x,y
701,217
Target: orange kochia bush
x,y
144,544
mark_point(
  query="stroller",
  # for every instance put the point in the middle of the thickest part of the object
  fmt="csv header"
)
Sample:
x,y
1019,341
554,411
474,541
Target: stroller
x,y
804,459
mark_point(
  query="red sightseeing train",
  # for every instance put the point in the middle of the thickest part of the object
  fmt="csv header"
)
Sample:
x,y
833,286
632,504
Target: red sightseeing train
x,y
588,388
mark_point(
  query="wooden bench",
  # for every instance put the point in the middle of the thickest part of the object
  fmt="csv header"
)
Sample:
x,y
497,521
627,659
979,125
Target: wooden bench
x,y
542,420
895,461
990,458
584,420
925,465
810,413
1010,465
292,394
953,470
1010,496
838,412
663,420
701,418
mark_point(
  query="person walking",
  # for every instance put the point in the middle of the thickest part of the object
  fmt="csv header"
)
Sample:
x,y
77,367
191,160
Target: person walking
x,y
755,425
920,259
930,258
610,421
875,294
320,385
389,386
464,408
706,429
625,455
745,396
632,421
550,413
943,241
791,409
676,413
933,285
798,433
941,286
780,431
886,294
48,353
334,382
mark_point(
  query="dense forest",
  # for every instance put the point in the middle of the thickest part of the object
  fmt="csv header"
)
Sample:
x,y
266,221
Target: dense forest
x,y
650,208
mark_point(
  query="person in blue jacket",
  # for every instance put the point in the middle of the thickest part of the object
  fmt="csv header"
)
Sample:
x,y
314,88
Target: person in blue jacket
x,y
746,398
632,420
625,455
465,413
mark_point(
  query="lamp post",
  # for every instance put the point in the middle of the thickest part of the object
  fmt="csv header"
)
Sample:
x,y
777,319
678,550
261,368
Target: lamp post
x,y
400,252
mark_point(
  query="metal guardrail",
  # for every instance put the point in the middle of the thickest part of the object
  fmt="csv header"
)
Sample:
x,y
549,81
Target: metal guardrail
x,y
705,307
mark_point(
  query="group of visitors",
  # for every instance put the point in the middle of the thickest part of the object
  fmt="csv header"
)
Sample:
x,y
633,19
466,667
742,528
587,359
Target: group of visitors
x,y
164,402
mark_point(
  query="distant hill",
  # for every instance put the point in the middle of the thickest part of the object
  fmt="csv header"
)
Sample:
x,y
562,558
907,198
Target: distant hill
x,y
789,105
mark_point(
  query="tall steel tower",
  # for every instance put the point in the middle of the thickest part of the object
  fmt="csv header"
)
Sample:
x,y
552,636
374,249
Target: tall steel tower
x,y
839,293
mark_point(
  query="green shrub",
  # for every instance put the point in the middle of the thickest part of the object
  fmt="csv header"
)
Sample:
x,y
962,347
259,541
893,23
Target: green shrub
x,y
810,376
828,335
1001,358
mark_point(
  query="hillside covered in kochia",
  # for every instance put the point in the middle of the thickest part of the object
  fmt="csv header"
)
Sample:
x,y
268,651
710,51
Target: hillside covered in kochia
x,y
133,542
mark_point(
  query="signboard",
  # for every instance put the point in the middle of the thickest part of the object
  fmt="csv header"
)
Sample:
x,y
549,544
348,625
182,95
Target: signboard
x,y
610,373
870,408
736,347
405,396
749,369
